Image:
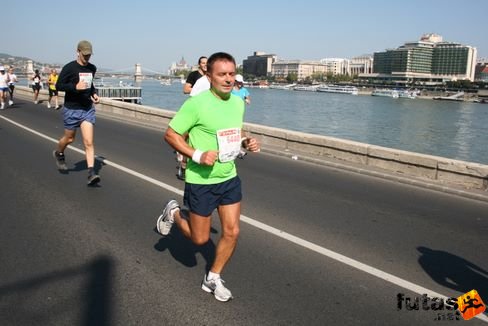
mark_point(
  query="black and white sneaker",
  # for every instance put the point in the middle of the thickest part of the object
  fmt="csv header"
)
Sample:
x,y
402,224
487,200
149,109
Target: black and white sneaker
x,y
93,179
60,160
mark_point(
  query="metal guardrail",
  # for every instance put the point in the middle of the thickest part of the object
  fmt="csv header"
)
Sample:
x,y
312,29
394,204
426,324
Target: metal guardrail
x,y
126,93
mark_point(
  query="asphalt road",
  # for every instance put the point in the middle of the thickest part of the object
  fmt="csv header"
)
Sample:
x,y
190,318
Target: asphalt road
x,y
318,246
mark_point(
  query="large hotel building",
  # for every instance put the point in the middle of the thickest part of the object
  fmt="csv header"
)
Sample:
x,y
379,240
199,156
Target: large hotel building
x,y
427,61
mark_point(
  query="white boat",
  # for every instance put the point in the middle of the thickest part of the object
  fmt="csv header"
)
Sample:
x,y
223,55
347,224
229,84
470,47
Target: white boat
x,y
456,97
308,88
407,94
257,84
338,89
281,86
166,82
386,92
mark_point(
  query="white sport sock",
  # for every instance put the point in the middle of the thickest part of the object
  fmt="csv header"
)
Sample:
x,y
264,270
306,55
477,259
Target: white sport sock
x,y
212,276
172,212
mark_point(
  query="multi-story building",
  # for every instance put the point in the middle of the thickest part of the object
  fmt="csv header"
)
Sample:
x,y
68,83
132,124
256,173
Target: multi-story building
x,y
301,68
454,60
259,64
361,65
336,66
429,60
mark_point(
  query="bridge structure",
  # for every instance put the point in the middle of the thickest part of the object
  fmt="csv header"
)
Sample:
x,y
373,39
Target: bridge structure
x,y
137,71
131,92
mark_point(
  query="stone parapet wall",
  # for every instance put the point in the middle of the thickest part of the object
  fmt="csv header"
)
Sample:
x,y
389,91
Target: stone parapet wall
x,y
444,171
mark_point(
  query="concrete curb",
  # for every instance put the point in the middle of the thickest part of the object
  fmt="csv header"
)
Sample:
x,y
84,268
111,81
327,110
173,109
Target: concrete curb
x,y
470,194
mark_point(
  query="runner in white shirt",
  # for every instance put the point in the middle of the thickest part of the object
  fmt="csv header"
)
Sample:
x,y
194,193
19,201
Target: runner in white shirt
x,y
202,84
3,87
11,84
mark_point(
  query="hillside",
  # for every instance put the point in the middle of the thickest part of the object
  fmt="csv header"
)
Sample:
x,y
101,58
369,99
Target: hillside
x,y
20,63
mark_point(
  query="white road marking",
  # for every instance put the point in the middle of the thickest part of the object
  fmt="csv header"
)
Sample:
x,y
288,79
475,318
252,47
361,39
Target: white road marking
x,y
267,228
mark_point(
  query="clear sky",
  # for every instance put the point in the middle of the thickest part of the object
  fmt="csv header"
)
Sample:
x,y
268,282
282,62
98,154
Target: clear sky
x,y
156,33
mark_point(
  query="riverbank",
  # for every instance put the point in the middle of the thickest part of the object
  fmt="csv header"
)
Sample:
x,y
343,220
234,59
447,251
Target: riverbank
x,y
431,95
440,173
452,129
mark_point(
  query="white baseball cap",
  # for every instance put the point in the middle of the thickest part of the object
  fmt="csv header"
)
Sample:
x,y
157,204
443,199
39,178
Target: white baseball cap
x,y
2,68
239,79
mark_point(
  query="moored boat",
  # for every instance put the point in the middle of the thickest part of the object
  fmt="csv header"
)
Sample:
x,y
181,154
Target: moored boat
x,y
459,96
281,86
308,88
407,94
386,92
338,89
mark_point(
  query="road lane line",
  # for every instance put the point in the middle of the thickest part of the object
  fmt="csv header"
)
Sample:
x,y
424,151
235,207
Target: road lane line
x,y
267,228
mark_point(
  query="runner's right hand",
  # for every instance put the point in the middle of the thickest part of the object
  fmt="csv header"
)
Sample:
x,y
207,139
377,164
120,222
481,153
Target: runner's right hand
x,y
209,158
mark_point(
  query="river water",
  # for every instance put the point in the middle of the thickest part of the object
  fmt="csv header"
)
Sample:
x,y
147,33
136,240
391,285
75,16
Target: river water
x,y
457,130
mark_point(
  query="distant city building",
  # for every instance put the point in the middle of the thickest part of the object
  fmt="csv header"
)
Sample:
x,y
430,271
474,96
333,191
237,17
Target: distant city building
x,y
336,66
481,73
361,65
259,64
429,60
301,68
177,67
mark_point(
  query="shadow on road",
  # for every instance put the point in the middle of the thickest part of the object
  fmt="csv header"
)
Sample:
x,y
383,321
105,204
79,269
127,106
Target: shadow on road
x,y
37,301
454,272
183,250
81,165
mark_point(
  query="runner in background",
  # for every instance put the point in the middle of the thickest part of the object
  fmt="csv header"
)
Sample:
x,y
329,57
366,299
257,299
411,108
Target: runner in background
x,y
195,83
12,80
53,92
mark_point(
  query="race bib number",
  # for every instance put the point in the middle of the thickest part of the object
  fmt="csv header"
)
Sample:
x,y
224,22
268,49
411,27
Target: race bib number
x,y
87,78
229,141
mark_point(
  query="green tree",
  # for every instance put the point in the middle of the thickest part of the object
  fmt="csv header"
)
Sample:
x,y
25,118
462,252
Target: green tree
x,y
183,73
292,77
318,76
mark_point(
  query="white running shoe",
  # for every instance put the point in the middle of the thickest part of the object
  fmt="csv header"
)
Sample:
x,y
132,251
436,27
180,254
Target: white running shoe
x,y
48,105
2,106
10,102
216,286
165,221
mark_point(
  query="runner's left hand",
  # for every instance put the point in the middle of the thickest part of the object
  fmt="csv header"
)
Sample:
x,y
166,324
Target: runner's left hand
x,y
252,145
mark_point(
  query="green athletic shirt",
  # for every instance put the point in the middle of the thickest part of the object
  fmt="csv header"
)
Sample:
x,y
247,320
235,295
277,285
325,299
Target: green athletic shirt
x,y
201,116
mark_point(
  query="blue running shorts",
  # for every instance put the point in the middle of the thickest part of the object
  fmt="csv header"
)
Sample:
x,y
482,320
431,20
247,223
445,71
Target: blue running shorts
x,y
73,118
204,199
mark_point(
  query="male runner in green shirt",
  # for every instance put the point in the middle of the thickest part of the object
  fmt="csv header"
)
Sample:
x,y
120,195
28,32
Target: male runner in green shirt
x,y
213,120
